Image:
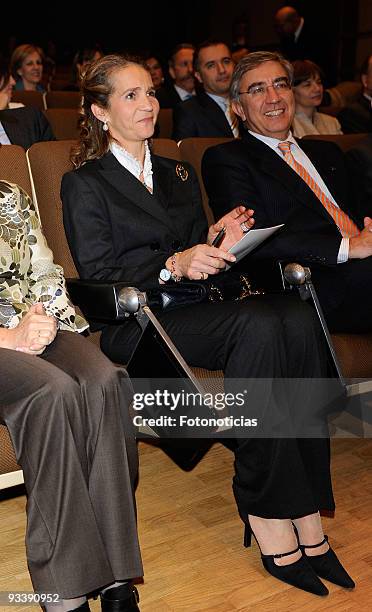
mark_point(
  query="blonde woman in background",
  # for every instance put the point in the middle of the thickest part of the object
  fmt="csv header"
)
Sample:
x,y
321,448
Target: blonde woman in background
x,y
26,65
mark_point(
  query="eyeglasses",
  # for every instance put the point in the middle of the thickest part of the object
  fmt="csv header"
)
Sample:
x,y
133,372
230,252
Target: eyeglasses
x,y
260,90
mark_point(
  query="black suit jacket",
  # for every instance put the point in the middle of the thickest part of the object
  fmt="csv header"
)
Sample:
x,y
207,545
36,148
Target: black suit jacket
x,y
200,116
360,163
168,97
117,230
25,126
248,172
356,117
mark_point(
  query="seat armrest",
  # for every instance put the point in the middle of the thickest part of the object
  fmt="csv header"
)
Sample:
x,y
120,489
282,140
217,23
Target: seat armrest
x,y
98,300
268,275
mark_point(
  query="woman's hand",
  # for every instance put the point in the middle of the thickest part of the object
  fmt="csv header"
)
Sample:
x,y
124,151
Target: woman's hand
x,y
33,333
200,261
232,222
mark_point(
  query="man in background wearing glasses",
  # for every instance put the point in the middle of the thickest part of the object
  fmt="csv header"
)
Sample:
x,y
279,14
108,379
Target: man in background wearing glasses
x,y
306,187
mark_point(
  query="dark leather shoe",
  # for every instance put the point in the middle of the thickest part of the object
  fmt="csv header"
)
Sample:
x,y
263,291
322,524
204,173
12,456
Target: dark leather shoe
x,y
123,598
299,574
328,566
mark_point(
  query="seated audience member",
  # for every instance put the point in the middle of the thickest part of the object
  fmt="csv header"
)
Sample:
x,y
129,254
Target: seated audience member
x,y
6,88
305,187
360,162
295,42
308,92
21,126
82,58
66,408
26,66
301,39
130,214
156,71
357,117
182,74
209,112
239,51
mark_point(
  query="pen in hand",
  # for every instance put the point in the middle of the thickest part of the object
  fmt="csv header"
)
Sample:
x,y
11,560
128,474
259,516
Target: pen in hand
x,y
218,239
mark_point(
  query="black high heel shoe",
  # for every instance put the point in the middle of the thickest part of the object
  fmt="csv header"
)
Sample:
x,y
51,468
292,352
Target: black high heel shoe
x,y
298,574
123,598
328,566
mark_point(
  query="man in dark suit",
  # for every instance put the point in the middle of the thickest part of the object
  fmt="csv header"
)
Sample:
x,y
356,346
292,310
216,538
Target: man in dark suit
x,y
24,126
21,126
182,74
359,159
299,39
209,113
306,188
357,117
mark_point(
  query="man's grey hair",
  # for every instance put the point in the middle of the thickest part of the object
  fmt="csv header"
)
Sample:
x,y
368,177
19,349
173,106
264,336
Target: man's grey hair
x,y
252,61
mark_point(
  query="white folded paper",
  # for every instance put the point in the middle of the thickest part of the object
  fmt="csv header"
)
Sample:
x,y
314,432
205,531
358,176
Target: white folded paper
x,y
251,240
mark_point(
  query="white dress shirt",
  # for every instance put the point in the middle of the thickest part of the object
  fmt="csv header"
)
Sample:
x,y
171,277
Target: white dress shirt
x,y
301,157
4,140
183,94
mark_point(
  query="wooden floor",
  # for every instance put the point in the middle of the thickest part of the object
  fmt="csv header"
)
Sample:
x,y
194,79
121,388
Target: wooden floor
x,y
191,539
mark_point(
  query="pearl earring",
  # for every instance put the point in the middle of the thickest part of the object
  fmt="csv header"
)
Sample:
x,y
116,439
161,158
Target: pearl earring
x,y
105,126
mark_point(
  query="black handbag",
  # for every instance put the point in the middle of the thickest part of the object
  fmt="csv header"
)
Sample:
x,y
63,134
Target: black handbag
x,y
227,286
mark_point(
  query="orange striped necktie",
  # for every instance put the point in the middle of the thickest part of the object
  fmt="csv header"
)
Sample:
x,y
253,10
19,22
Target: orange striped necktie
x,y
346,225
232,119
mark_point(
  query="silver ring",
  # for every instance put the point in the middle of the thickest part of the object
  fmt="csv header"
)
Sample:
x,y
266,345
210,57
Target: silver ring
x,y
244,227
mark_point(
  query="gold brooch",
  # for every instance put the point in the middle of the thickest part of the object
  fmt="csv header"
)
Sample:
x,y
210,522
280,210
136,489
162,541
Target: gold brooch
x,y
181,172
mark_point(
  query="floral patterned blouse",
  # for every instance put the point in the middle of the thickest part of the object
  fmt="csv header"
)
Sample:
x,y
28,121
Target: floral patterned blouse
x,y
27,272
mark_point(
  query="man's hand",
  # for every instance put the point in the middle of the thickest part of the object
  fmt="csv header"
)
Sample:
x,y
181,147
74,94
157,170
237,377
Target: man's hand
x,y
360,246
232,222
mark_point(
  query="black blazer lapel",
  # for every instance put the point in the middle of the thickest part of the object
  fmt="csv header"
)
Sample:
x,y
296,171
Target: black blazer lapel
x,y
214,113
131,188
12,128
326,171
162,182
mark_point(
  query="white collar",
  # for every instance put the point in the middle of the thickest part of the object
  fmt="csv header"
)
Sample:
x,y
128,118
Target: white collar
x,y
183,94
132,164
299,29
273,142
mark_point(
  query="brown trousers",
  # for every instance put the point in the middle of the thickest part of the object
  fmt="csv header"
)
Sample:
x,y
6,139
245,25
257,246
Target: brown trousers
x,y
67,414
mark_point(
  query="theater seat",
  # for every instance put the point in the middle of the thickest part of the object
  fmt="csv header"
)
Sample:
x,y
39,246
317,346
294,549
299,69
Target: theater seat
x,y
192,151
64,122
344,141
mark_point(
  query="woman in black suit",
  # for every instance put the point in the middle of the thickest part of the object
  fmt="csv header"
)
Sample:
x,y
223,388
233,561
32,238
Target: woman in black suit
x,y
131,215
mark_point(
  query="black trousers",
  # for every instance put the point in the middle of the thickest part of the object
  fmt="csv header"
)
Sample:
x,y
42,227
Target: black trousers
x,y
345,294
264,337
67,414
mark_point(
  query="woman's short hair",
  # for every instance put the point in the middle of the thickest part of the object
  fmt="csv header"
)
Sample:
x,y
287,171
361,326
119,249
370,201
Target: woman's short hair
x,y
252,61
303,70
19,55
96,87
